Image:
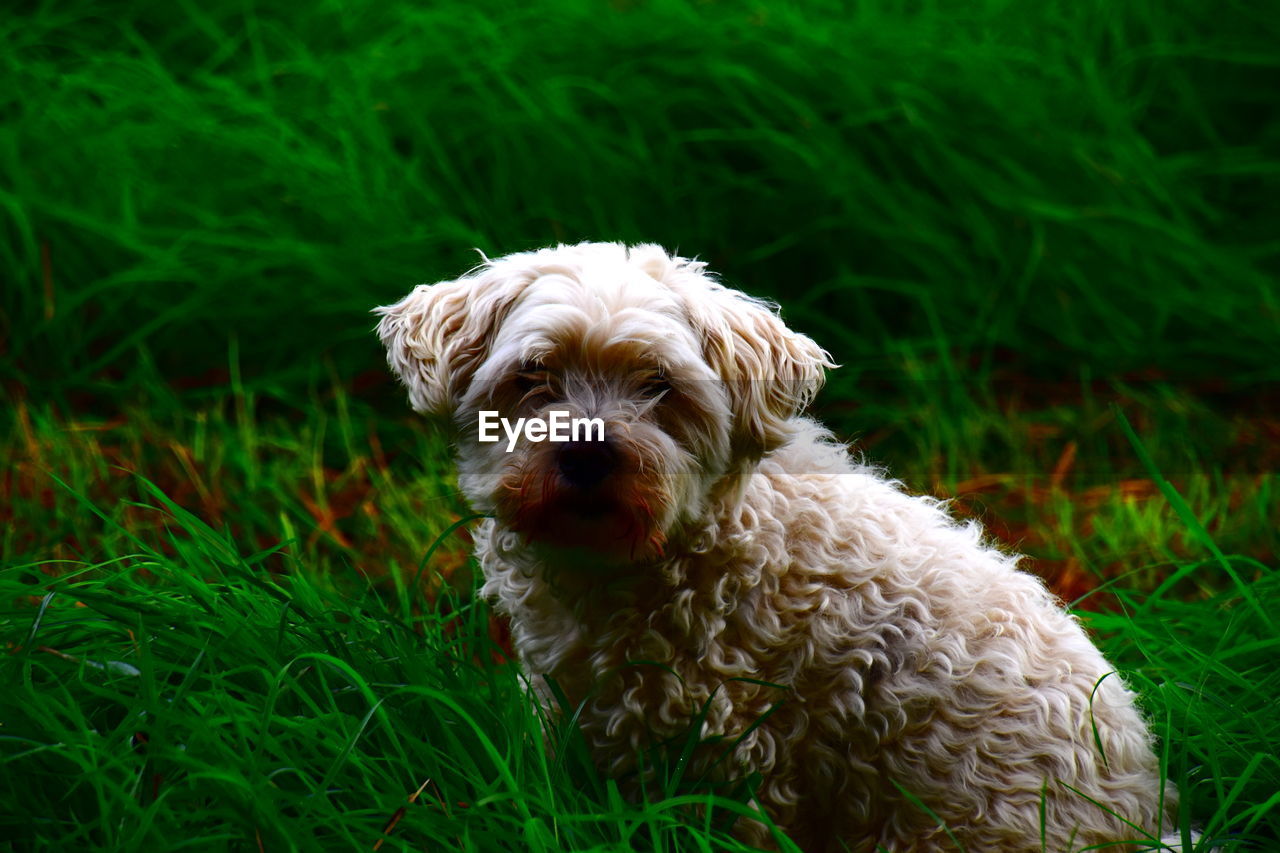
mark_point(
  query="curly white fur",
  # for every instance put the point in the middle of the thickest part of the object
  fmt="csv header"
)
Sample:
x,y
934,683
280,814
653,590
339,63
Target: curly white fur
x,y
733,542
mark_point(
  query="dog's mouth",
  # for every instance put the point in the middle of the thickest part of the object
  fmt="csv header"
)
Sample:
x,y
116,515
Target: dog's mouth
x,y
589,507
595,521
600,524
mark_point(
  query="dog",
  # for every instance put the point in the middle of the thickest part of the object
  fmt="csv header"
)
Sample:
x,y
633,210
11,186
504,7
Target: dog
x,y
715,556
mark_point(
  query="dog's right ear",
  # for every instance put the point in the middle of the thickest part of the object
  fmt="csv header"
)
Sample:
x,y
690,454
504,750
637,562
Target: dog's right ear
x,y
439,334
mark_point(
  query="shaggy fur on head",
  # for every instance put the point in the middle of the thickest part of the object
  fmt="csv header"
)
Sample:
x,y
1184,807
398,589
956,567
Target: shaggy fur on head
x,y
730,541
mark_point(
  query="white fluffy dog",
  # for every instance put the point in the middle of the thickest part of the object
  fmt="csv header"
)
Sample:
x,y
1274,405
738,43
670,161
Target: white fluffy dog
x,y
724,541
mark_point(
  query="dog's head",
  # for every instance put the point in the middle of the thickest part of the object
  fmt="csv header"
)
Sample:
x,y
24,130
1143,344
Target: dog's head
x,y
662,381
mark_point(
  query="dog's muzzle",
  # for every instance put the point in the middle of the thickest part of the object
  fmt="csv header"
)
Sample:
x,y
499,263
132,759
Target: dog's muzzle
x,y
585,464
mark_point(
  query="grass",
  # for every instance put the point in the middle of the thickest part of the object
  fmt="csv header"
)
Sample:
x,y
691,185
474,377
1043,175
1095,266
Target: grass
x,y
1018,226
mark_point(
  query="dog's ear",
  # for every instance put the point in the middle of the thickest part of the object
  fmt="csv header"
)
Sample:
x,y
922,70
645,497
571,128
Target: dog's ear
x,y
439,334
771,373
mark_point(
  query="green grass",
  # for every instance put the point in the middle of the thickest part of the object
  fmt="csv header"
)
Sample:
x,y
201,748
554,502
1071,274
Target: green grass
x,y
1083,183
196,696
1016,225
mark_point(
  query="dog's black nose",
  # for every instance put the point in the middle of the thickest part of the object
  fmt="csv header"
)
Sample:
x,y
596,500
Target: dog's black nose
x,y
583,464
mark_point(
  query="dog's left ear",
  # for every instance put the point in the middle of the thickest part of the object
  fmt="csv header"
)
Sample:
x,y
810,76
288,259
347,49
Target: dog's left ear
x,y
439,334
771,372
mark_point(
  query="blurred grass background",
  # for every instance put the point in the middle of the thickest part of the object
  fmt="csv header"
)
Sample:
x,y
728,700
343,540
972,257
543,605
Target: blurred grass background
x,y
1012,223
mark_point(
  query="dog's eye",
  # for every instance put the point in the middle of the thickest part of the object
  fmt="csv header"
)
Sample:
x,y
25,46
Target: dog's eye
x,y
528,380
532,377
656,384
